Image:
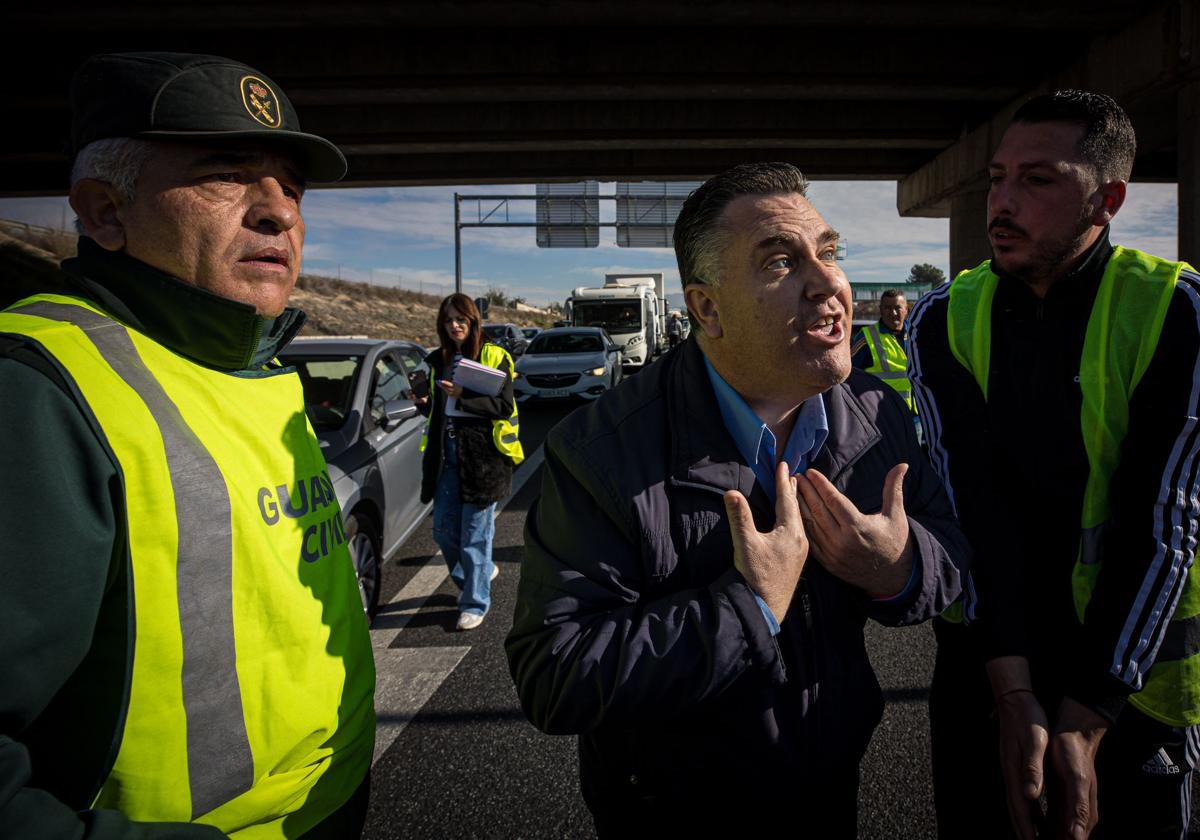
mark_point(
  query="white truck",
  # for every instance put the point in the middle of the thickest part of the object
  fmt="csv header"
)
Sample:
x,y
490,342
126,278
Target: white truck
x,y
631,307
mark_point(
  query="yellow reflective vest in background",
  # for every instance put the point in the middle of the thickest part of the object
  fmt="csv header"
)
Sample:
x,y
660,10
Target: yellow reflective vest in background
x,y
250,706
889,361
1122,334
505,430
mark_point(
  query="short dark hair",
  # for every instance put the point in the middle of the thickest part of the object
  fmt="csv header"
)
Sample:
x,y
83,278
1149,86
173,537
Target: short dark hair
x,y
1108,143
699,236
891,293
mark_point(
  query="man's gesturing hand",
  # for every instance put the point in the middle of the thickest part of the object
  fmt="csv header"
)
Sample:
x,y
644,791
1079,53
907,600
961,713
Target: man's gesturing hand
x,y
872,552
1072,793
1023,737
771,563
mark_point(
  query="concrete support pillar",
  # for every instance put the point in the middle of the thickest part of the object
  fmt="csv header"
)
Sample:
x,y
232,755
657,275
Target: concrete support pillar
x,y
969,244
1189,173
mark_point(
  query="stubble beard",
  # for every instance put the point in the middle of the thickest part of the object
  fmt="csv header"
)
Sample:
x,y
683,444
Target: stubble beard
x,y
1049,256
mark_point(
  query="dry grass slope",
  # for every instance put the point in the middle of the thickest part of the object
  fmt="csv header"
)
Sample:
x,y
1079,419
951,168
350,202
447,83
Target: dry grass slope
x,y
29,261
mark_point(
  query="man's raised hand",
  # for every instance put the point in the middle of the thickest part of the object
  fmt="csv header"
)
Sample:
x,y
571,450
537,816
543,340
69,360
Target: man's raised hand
x,y
870,551
772,562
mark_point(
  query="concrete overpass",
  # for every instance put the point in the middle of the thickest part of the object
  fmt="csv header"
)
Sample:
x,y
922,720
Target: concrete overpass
x,y
476,91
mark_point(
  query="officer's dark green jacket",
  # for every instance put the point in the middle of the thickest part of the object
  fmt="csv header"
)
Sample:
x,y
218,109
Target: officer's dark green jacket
x,y
68,641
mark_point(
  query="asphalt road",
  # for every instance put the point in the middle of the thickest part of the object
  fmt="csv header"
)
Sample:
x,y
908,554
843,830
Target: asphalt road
x,y
455,757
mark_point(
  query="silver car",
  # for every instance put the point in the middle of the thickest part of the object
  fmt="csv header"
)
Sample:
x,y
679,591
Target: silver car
x,y
358,395
568,362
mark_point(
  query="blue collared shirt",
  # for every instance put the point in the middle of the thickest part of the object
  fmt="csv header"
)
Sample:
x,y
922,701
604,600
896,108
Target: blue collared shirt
x,y
758,446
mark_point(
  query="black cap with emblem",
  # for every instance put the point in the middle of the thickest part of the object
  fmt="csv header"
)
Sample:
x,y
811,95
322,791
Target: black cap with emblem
x,y
186,97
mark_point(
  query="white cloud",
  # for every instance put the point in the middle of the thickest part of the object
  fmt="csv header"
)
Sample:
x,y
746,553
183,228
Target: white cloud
x,y
1148,220
420,217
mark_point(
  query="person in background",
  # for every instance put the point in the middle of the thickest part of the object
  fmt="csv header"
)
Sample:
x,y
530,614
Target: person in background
x,y
880,348
184,652
674,331
468,457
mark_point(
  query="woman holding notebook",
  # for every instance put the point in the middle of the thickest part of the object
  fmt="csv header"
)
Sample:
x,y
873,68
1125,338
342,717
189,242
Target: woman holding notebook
x,y
471,447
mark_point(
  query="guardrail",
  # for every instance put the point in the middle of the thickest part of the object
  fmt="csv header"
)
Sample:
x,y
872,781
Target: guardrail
x,y
26,228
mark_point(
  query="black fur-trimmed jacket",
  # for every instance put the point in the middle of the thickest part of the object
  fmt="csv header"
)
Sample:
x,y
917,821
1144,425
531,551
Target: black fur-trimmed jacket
x,y
485,473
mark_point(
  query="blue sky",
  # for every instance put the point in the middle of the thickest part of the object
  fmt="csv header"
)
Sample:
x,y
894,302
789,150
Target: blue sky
x,y
405,236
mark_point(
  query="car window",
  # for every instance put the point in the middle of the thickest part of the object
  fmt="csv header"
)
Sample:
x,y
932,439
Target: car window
x,y
391,383
411,359
416,370
568,343
328,383
495,333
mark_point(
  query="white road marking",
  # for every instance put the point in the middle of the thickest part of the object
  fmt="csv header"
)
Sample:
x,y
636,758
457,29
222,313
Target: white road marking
x,y
407,677
413,675
429,577
408,601
522,474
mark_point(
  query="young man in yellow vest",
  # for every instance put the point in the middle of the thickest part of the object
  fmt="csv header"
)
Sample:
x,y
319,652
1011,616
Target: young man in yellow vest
x,y
880,348
185,653
1058,386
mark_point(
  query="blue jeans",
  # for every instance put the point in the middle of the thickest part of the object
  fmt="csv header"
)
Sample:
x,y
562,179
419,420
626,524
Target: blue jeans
x,y
464,533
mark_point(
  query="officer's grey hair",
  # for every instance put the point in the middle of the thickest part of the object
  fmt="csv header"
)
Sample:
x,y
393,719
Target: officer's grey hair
x,y
115,160
700,237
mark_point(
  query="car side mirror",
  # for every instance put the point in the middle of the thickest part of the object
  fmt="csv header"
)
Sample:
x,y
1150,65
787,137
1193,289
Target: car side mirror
x,y
397,411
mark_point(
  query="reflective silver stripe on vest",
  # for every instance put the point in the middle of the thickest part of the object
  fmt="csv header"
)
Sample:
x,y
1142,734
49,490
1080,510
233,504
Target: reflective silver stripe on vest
x,y
1181,640
885,371
1091,542
880,354
220,764
508,439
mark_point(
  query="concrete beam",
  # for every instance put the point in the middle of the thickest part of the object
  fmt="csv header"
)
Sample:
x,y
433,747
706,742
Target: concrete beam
x,y
1151,57
275,16
1189,173
969,245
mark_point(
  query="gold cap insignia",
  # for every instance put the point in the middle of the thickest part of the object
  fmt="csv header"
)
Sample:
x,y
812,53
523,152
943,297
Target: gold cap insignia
x,y
261,102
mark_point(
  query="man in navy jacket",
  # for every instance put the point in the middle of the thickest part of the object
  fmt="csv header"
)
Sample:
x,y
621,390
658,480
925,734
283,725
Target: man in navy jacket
x,y
712,536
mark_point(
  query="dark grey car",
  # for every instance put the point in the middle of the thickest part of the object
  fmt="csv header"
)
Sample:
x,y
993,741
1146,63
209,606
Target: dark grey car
x,y
508,336
358,394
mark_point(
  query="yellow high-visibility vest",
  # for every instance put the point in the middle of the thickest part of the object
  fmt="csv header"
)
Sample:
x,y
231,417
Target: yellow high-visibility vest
x,y
1122,334
889,362
505,431
250,706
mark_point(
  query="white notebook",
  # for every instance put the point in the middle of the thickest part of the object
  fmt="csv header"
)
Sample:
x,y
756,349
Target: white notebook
x,y
478,378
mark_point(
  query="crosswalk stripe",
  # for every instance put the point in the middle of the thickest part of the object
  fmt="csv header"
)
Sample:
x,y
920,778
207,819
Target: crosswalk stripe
x,y
408,677
414,674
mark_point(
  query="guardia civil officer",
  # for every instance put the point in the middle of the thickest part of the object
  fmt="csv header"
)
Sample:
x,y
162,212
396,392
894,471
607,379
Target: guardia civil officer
x,y
185,652
1058,384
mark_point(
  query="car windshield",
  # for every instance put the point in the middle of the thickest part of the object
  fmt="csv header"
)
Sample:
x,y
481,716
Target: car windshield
x,y
495,332
566,343
328,387
614,316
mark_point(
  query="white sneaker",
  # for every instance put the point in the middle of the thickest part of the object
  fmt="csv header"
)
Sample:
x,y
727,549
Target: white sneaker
x,y
495,572
468,621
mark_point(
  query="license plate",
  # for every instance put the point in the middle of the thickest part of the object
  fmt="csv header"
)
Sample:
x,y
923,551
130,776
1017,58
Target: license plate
x,y
553,393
